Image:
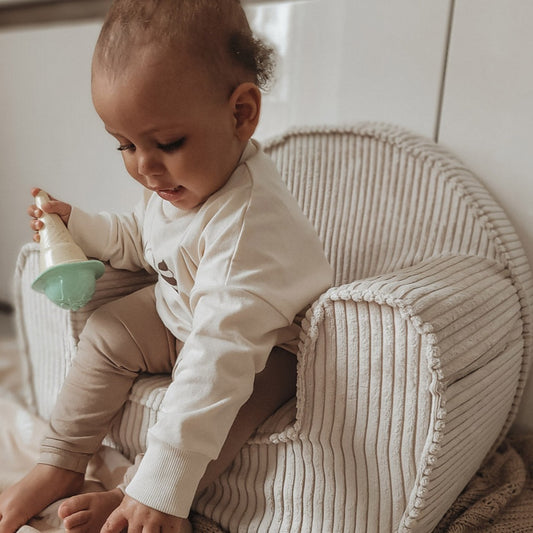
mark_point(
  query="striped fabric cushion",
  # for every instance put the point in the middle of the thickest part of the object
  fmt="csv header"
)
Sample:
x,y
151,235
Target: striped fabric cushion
x,y
410,369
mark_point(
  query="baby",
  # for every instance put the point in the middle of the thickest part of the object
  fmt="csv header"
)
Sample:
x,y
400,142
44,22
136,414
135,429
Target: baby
x,y
176,82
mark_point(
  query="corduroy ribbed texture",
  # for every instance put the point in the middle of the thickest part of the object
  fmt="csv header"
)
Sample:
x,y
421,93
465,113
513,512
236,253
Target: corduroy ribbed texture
x,y
410,369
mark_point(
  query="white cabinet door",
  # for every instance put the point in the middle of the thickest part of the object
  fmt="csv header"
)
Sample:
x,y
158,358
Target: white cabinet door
x,y
343,61
487,117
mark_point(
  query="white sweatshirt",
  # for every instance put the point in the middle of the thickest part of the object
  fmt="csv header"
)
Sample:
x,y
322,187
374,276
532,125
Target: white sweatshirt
x,y
233,274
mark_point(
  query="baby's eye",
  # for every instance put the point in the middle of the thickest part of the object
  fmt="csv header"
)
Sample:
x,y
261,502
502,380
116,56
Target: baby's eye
x,y
173,146
126,147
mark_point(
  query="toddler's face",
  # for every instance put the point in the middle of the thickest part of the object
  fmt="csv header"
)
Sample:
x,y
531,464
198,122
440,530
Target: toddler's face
x,y
176,131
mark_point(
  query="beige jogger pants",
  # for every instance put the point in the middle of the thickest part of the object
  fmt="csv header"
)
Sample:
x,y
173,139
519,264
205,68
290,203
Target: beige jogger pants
x,y
122,339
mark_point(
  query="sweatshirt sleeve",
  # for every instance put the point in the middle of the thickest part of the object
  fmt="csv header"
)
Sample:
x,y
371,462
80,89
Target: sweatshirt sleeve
x,y
111,237
232,336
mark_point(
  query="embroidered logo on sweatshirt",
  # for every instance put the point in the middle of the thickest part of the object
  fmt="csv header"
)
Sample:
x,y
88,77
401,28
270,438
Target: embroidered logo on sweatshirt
x,y
167,274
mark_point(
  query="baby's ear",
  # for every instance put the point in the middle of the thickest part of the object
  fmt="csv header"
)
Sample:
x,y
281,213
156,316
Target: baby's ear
x,y
246,105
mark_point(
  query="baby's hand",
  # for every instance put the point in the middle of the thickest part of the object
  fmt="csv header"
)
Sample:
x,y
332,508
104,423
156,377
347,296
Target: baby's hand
x,y
132,515
53,206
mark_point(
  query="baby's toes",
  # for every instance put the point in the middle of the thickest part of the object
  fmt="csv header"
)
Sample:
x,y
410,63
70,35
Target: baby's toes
x,y
73,505
75,523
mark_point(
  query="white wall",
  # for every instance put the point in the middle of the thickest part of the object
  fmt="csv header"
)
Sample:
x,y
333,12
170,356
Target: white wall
x,y
341,61
50,136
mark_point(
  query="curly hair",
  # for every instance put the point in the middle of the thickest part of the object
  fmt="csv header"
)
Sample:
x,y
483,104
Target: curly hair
x,y
215,31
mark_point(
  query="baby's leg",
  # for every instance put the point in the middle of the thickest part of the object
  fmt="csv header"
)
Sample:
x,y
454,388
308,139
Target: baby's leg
x,y
121,340
39,488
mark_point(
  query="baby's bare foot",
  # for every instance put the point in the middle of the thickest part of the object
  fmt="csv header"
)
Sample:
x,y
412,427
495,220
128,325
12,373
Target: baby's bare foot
x,y
87,513
42,486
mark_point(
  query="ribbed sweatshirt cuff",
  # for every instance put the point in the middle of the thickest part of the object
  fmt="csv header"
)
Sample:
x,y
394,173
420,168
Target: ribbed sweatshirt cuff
x,y
167,478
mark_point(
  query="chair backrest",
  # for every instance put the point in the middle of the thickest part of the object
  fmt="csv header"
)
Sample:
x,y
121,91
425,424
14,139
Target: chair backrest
x,y
382,198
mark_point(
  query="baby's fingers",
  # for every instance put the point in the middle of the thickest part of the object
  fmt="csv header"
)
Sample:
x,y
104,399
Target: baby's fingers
x,y
52,206
58,207
34,211
36,224
116,523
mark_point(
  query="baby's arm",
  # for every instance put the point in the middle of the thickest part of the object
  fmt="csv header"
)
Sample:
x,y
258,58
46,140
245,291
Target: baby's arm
x,y
115,238
108,237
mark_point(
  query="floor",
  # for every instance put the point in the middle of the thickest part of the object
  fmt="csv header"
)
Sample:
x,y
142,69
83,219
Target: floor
x,y
8,340
7,327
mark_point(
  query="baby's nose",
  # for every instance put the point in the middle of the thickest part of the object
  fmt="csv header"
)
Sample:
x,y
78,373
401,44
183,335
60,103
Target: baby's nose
x,y
149,164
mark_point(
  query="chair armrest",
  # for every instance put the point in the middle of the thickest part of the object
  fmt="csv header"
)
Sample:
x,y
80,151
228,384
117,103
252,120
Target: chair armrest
x,y
48,335
397,370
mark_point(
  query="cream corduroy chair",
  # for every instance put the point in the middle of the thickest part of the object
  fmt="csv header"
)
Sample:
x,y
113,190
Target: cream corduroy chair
x,y
410,369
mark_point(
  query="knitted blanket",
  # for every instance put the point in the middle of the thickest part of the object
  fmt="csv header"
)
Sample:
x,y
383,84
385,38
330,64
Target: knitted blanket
x,y
499,498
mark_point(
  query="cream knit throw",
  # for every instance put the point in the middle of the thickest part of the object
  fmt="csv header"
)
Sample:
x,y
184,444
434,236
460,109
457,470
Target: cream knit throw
x,y
499,498
201,524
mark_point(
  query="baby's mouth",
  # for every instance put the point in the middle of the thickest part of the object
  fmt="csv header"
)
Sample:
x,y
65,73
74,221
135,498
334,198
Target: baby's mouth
x,y
171,194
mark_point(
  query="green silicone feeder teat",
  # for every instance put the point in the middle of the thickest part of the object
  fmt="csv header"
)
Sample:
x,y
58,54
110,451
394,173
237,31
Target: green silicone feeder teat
x,y
67,277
